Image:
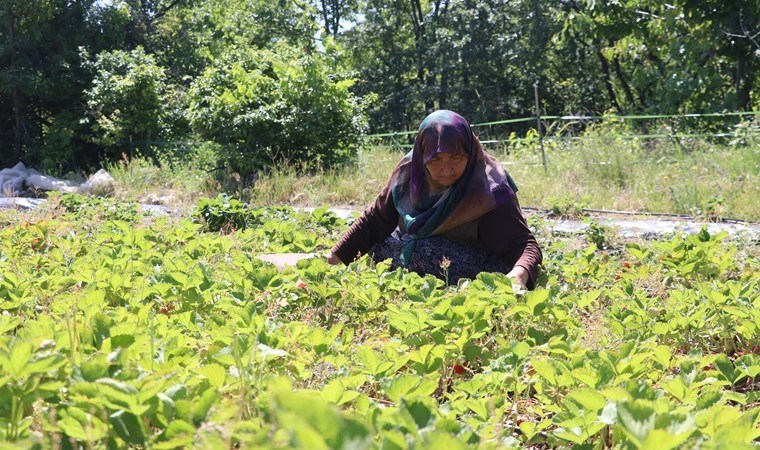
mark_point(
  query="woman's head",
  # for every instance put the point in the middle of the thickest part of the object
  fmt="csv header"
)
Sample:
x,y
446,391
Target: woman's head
x,y
447,154
443,148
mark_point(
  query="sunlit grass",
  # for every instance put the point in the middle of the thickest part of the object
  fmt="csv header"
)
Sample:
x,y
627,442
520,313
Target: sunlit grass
x,y
709,182
698,178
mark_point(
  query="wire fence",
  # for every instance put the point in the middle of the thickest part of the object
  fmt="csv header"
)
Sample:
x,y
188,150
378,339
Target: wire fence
x,y
553,129
503,137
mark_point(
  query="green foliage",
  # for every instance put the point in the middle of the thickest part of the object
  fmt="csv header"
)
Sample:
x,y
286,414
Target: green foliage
x,y
126,100
258,78
87,207
156,334
599,235
223,213
269,107
566,208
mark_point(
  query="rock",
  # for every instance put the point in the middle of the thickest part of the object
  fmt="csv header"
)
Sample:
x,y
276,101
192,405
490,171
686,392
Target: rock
x,y
101,181
46,183
153,199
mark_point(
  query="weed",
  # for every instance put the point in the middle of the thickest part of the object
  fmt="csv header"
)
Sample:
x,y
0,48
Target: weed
x,y
565,208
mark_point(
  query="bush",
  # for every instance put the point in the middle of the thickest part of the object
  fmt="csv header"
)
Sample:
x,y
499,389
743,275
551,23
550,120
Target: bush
x,y
222,213
269,107
127,100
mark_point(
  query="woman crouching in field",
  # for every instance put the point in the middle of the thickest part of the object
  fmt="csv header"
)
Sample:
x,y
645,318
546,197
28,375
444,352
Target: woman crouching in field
x,y
449,209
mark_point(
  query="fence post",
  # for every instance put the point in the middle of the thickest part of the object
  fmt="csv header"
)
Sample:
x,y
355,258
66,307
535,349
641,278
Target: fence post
x,y
538,124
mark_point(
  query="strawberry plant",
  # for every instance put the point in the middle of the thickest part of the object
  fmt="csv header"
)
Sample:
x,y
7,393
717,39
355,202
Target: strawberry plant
x,y
170,333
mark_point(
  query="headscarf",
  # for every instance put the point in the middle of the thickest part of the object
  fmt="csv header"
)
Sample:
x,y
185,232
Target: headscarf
x,y
426,210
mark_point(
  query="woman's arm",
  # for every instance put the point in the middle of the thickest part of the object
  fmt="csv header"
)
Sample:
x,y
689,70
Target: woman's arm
x,y
505,233
375,224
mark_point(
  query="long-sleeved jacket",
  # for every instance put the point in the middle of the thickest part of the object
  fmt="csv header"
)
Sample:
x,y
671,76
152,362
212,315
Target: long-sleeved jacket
x,y
502,232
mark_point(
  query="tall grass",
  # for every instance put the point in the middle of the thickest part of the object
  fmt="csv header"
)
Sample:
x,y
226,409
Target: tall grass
x,y
704,179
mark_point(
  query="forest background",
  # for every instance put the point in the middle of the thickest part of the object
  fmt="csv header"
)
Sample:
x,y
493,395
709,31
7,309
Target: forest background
x,y
244,85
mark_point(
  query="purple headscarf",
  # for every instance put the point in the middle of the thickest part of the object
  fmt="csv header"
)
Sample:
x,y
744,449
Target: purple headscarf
x,y
426,210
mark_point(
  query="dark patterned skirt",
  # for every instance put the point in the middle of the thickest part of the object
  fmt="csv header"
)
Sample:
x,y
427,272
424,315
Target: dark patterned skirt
x,y
438,256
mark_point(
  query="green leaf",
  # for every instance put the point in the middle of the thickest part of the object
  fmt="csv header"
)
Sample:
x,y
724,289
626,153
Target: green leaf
x,y
82,426
335,392
214,373
536,300
203,404
72,428
637,418
664,440
100,324
478,406
440,440
407,386
588,399
317,424
268,353
178,434
663,356
676,387
521,349
726,368
182,409
128,427
166,406
576,435
406,321
422,411
42,363
708,399
122,340
95,368
20,354
609,414
547,371
393,440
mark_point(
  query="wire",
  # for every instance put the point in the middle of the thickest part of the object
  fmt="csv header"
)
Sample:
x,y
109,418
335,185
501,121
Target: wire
x,y
655,214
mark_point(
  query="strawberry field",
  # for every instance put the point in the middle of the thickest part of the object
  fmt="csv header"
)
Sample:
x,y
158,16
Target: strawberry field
x,y
121,330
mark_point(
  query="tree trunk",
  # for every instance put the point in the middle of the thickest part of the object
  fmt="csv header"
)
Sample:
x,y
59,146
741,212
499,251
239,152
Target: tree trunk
x,y
332,22
608,80
325,17
623,82
419,41
743,83
336,18
443,90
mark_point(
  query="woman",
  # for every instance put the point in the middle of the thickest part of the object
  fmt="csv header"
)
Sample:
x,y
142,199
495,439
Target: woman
x,y
449,209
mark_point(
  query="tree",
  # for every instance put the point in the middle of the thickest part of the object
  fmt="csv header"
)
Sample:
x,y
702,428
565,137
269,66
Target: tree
x,y
19,53
43,77
126,100
334,13
381,48
273,106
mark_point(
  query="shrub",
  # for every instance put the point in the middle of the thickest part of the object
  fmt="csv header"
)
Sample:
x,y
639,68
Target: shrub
x,y
127,99
269,107
222,213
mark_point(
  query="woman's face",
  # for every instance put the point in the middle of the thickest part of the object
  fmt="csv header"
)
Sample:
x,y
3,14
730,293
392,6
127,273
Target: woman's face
x,y
446,168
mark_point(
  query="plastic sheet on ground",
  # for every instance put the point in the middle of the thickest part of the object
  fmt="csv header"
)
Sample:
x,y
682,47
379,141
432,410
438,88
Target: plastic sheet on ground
x,y
629,228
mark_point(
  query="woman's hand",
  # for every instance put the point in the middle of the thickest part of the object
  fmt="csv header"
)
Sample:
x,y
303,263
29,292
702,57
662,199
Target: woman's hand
x,y
520,275
332,259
